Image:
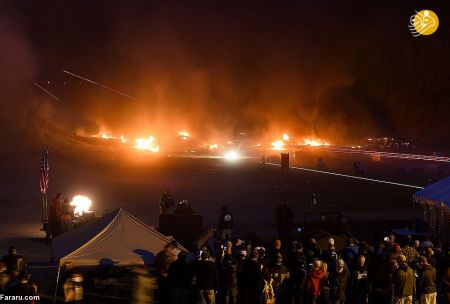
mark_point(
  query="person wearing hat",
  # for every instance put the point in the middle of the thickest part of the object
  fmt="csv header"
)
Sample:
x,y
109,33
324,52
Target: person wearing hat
x,y
338,282
403,282
350,252
426,282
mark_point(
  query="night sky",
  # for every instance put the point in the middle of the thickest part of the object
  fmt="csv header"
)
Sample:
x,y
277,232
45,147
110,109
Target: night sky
x,y
351,69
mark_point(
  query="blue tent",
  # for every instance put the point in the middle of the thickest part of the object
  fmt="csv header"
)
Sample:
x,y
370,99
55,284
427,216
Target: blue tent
x,y
435,194
435,200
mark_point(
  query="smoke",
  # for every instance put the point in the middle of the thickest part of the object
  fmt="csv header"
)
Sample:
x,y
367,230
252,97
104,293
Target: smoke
x,y
206,67
222,67
17,65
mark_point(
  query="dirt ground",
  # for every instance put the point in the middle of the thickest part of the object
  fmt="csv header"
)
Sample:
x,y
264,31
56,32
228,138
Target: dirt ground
x,y
252,191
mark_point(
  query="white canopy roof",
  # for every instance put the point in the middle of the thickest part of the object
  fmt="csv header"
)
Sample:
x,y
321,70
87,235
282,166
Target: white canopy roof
x,y
115,238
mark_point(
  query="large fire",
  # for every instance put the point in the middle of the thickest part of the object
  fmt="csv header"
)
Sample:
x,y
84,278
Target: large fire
x,y
104,135
314,142
81,204
278,145
146,143
149,143
183,134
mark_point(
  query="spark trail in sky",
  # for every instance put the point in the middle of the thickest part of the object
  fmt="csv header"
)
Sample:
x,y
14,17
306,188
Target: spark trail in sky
x,y
101,85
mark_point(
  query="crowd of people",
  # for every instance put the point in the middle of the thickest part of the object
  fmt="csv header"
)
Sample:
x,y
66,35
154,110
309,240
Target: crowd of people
x,y
235,272
229,270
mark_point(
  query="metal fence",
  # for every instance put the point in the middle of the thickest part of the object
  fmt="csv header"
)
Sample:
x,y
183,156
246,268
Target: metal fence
x,y
110,283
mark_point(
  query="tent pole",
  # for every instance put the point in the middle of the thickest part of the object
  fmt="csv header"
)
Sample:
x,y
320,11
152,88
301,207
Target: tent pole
x,y
56,287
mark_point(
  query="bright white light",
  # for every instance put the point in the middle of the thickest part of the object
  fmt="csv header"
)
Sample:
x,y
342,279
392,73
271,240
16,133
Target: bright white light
x,y
81,203
285,137
231,155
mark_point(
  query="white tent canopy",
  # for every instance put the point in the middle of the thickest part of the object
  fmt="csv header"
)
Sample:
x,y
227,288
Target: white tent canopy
x,y
116,238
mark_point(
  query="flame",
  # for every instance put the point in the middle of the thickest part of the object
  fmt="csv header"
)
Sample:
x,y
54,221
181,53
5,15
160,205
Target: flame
x,y
143,143
278,145
183,134
104,135
285,137
213,146
124,139
81,203
314,142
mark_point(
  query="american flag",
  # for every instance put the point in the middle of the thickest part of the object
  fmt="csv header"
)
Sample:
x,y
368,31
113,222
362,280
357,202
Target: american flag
x,y
44,172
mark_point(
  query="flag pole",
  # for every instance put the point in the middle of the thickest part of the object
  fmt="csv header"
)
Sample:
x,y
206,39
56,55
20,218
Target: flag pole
x,y
44,188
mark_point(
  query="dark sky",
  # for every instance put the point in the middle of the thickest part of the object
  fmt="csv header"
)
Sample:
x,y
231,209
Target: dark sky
x,y
351,68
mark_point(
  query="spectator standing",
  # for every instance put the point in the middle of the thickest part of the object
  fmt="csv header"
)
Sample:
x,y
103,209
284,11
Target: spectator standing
x,y
225,224
206,280
162,263
429,254
338,282
330,255
350,252
284,217
314,282
54,213
279,276
426,282
250,280
360,284
166,201
66,217
296,263
179,276
229,268
403,282
14,262
272,254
